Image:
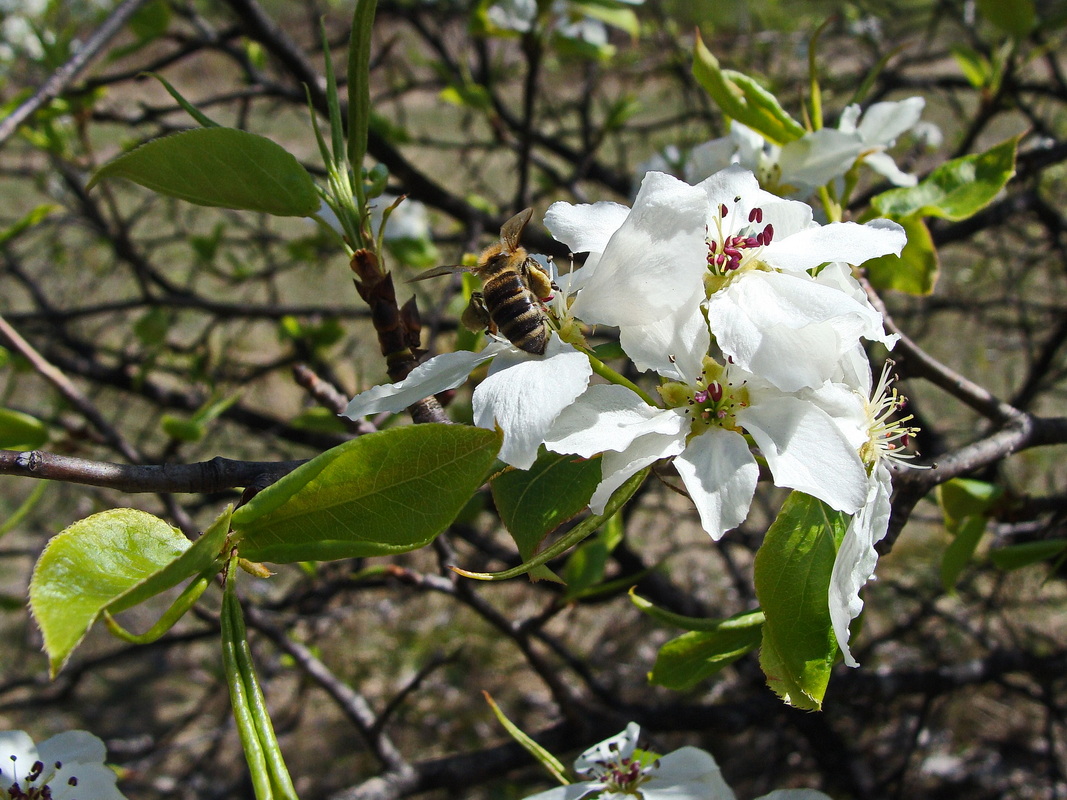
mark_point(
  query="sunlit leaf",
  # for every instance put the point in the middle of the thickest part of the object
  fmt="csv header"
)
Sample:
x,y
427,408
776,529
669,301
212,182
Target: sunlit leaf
x,y
744,100
221,167
386,492
692,657
955,190
19,431
792,575
915,270
109,561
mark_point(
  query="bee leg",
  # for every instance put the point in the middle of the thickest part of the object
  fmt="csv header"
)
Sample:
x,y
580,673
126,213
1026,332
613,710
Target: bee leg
x,y
476,315
535,277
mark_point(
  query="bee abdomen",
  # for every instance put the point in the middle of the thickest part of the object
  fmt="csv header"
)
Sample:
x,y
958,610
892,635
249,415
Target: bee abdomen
x,y
516,312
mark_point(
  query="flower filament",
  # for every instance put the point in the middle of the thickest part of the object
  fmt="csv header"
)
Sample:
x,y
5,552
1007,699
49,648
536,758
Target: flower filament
x,y
886,437
728,253
34,790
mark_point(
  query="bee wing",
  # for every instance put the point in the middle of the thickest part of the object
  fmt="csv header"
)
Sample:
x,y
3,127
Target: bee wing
x,y
437,272
511,231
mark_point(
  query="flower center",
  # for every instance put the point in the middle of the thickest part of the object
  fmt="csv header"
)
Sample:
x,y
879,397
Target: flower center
x,y
35,788
712,402
623,776
886,438
729,252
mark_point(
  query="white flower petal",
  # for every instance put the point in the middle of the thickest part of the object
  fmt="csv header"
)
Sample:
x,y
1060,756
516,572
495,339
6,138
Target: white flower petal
x,y
675,346
817,158
442,372
720,474
788,328
586,227
617,468
806,450
523,394
708,158
884,165
609,417
838,275
838,241
856,558
883,122
611,750
654,262
17,754
687,773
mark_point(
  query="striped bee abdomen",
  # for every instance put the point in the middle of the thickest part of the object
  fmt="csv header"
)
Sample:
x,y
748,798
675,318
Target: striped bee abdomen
x,y
512,306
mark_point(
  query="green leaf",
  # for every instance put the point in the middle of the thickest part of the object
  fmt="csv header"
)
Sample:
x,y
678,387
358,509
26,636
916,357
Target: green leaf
x,y
960,550
1015,17
109,561
19,431
690,658
150,21
974,65
220,167
181,430
960,498
1017,556
744,100
151,328
587,564
532,503
613,14
915,270
359,81
957,189
792,573
966,504
26,222
386,492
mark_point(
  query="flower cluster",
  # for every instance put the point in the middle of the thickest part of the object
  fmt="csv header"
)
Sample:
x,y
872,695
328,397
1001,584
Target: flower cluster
x,y
748,311
615,769
799,167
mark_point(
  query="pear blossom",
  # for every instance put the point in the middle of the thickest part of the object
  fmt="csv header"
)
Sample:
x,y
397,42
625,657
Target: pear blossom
x,y
799,167
69,766
880,444
522,395
726,255
616,771
702,429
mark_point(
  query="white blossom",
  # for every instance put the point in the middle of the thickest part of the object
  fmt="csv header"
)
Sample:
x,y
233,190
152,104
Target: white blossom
x,y
69,766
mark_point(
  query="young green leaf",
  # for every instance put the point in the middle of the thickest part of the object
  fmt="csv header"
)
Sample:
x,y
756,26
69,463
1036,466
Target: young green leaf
x,y
20,431
1014,17
532,503
109,561
221,167
955,190
915,270
386,492
965,503
792,573
359,82
1017,556
686,660
744,100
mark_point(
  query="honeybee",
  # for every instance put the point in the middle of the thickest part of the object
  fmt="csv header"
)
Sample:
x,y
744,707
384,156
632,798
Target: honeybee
x,y
513,289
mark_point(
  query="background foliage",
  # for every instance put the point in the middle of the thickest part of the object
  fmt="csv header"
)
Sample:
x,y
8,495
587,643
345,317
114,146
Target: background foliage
x,y
145,331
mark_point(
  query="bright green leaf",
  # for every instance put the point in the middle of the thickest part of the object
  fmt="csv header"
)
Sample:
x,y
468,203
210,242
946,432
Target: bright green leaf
x,y
181,430
26,222
613,14
1015,17
19,431
960,498
744,100
386,492
792,573
960,550
915,270
974,66
359,108
110,561
957,189
692,657
532,503
220,167
1017,556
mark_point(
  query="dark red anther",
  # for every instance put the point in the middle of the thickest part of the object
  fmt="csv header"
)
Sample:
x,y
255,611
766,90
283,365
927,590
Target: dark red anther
x,y
755,215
